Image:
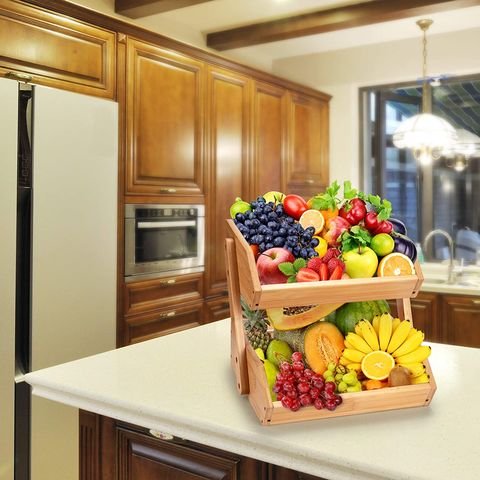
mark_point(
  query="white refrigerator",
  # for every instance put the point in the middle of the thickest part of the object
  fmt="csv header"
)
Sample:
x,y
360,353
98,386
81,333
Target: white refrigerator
x,y
58,237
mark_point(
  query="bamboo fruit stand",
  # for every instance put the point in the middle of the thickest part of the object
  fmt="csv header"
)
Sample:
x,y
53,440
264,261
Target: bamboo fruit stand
x,y
250,375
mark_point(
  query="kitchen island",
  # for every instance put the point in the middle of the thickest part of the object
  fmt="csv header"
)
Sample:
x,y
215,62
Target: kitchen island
x,y
182,385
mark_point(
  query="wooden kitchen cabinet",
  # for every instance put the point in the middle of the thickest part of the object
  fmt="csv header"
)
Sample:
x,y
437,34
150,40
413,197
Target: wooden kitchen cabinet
x,y
228,136
217,309
164,121
169,320
269,138
306,166
56,51
281,473
426,315
461,320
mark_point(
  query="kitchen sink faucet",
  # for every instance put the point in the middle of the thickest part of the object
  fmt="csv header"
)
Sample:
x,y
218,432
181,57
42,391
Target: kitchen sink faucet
x,y
445,234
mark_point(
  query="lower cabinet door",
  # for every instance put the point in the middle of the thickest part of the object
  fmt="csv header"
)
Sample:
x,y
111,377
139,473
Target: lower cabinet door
x,y
281,473
163,322
217,309
461,320
143,457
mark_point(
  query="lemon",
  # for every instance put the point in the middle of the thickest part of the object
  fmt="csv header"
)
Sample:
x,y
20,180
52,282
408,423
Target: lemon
x,y
322,246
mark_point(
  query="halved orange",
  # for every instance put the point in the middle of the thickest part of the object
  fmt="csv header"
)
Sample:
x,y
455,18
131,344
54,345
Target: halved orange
x,y
395,264
376,365
312,218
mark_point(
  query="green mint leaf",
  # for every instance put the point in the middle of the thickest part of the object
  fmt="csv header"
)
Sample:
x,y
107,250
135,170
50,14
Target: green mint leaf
x,y
385,210
375,200
299,263
287,268
319,203
333,189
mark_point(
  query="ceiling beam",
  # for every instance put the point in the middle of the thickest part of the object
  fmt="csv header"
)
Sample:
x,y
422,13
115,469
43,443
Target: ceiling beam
x,y
144,8
321,21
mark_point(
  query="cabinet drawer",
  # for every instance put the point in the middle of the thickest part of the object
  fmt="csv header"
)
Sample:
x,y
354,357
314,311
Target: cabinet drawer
x,y
56,51
153,294
163,322
217,309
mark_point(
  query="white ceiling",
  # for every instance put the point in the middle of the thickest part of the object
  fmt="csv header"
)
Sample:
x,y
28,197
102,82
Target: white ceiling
x,y
191,24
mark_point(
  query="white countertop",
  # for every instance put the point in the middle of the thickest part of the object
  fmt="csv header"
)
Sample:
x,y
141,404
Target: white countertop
x,y
467,283
183,384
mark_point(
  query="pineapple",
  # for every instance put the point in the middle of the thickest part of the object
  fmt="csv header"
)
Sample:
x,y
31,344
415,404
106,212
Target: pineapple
x,y
255,324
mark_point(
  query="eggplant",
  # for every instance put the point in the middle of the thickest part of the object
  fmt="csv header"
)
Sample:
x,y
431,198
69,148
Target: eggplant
x,y
404,245
398,226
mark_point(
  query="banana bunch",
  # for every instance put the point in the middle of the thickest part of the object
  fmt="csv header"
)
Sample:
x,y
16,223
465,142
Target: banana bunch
x,y
392,335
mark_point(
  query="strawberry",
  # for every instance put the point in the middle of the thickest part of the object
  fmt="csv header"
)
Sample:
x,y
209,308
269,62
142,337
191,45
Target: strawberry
x,y
334,263
307,275
314,263
337,273
323,272
331,253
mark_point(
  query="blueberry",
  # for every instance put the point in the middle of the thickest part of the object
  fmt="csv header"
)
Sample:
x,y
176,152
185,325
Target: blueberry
x,y
255,222
252,232
292,231
268,246
287,247
250,215
314,242
306,237
272,225
289,220
268,238
260,199
254,205
279,241
246,235
282,231
248,223
240,217
279,209
272,216
311,252
296,251
262,229
267,209
261,247
263,218
303,253
259,239
292,241
310,230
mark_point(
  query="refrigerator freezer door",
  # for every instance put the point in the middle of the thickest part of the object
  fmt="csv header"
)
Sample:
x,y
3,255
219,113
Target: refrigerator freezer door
x,y
8,207
74,255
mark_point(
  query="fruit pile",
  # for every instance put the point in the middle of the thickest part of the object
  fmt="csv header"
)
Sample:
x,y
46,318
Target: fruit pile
x,y
326,238
316,353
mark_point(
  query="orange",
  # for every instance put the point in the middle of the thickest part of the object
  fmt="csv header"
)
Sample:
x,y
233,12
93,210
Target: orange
x,y
376,365
329,214
312,218
395,264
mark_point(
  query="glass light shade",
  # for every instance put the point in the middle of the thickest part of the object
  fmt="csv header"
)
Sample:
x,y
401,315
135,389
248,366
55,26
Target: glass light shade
x,y
425,132
467,144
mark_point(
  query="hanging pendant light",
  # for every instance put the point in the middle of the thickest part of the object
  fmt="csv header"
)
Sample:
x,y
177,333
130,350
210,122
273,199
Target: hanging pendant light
x,y
427,135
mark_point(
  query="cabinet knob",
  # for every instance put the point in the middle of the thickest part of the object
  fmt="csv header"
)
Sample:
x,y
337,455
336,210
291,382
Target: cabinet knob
x,y
160,435
168,190
21,77
168,314
170,281
309,181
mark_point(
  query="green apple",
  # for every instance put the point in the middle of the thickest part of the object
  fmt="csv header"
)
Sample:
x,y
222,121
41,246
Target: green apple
x,y
360,262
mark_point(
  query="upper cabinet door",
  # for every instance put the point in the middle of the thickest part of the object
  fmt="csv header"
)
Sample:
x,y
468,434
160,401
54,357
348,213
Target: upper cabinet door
x,y
269,135
164,112
56,51
228,122
306,169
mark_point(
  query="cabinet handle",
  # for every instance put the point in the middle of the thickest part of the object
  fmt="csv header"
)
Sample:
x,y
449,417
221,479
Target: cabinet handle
x,y
168,190
21,77
309,181
160,435
476,302
170,281
168,314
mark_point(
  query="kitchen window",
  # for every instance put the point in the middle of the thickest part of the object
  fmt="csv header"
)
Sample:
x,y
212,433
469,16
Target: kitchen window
x,y
445,194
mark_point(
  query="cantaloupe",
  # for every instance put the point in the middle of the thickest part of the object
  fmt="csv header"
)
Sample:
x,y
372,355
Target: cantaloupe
x,y
320,343
281,320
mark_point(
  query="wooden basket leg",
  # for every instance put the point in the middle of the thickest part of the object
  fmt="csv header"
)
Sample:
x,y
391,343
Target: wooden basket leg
x,y
404,309
238,353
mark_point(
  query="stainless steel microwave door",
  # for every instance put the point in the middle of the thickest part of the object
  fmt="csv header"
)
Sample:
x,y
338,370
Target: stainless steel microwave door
x,y
8,208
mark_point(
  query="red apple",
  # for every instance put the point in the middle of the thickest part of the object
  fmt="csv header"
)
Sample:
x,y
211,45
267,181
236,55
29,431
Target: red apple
x,y
335,227
268,262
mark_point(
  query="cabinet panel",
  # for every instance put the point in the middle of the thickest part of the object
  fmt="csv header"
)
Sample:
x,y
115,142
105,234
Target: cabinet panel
x,y
161,292
163,322
165,93
281,473
461,320
217,309
228,137
307,160
56,51
426,315
269,129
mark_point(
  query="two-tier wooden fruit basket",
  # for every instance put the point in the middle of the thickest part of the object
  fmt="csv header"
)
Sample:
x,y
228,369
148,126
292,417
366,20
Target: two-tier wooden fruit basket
x,y
250,375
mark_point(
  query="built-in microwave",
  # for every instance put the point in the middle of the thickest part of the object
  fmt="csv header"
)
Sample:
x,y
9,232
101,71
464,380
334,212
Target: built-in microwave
x,y
162,240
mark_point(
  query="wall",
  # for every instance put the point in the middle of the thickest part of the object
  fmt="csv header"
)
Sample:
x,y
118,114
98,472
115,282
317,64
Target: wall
x,y
341,73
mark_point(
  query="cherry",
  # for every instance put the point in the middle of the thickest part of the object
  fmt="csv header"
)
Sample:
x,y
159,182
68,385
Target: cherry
x,y
303,387
288,386
287,402
285,367
338,400
307,373
318,404
291,394
295,405
331,404
330,387
314,392
306,399
297,357
298,366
